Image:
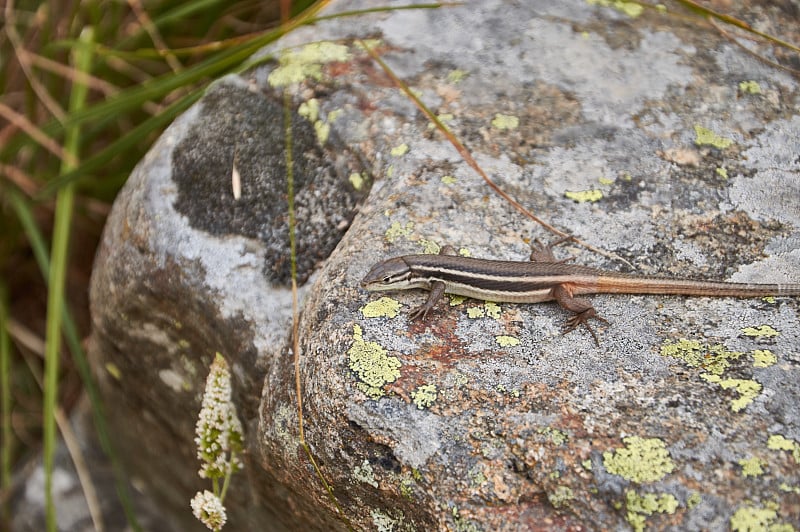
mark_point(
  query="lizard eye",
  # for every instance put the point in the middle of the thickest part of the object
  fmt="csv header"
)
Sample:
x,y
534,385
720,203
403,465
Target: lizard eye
x,y
387,279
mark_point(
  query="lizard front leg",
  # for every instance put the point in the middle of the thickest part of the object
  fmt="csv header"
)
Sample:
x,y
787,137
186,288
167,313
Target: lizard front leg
x,y
582,309
437,290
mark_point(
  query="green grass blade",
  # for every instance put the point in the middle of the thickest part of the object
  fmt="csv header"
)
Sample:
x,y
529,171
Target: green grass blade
x,y
57,280
36,241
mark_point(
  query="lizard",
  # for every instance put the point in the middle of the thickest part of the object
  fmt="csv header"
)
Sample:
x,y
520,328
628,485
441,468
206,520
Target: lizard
x,y
543,278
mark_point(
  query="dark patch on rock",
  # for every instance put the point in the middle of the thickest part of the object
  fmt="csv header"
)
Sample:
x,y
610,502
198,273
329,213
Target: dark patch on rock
x,y
245,128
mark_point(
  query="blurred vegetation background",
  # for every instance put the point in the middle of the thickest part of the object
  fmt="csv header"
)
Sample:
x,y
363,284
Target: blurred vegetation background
x,y
86,88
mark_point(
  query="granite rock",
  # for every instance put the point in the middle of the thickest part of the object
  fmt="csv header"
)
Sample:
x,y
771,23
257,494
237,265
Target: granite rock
x,y
648,135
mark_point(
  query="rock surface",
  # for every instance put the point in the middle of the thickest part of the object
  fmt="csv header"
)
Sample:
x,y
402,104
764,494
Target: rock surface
x,y
649,136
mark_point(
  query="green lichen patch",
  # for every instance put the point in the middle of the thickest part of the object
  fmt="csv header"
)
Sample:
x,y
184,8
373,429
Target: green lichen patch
x,y
788,488
501,121
364,474
456,300
762,331
693,500
750,518
506,341
310,110
424,396
763,358
713,359
306,63
383,307
584,196
560,496
429,246
400,150
475,313
706,137
371,364
641,460
383,522
632,9
492,310
449,180
398,230
778,442
747,389
641,506
749,87
456,76
559,437
752,467
357,180
476,476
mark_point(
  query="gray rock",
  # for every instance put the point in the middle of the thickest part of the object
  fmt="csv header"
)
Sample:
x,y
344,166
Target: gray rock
x,y
482,417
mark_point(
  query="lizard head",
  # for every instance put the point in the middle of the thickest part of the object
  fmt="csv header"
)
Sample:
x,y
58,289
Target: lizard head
x,y
391,274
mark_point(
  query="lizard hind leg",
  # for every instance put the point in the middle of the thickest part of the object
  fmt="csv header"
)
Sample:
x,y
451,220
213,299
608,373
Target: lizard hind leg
x,y
582,310
544,252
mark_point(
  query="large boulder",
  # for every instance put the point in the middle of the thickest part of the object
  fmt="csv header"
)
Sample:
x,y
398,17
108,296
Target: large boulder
x,y
642,134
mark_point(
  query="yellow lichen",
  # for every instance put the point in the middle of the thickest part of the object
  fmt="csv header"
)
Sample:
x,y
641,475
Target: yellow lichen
x,y
397,230
752,467
714,359
762,331
763,358
583,196
748,389
561,496
640,506
641,460
475,312
506,341
429,246
424,396
748,518
632,9
456,300
383,307
749,87
397,151
778,442
559,437
706,137
298,65
693,500
357,180
456,75
502,121
372,365
492,310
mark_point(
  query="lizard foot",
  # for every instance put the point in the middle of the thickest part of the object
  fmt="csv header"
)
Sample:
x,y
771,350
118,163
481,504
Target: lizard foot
x,y
419,312
582,318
